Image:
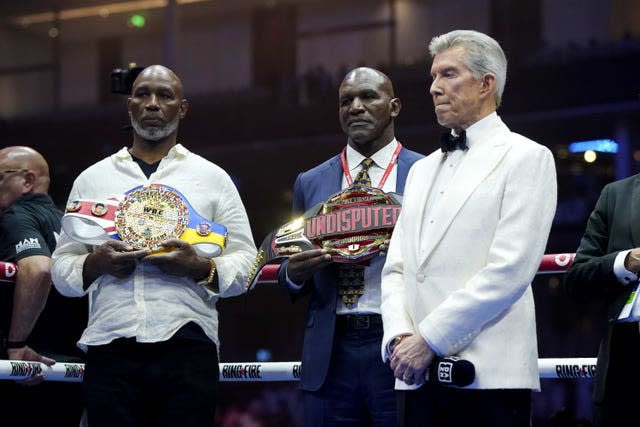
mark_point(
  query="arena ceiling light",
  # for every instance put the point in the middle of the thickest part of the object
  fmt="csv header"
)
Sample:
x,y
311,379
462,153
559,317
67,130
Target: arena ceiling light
x,y
103,10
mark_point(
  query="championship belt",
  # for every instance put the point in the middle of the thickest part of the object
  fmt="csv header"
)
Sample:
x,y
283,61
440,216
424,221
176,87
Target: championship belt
x,y
351,225
143,218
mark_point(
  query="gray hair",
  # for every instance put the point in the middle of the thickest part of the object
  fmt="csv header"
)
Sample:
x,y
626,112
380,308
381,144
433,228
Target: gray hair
x,y
482,54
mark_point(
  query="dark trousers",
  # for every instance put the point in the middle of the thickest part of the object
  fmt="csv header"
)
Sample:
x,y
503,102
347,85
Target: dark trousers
x,y
170,383
358,390
620,405
434,405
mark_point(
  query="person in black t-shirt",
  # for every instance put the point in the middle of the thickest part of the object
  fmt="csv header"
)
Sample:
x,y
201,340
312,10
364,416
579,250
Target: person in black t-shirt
x,y
36,322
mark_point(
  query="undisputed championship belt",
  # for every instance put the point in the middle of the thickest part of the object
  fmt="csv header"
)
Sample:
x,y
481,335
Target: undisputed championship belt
x,y
351,225
144,218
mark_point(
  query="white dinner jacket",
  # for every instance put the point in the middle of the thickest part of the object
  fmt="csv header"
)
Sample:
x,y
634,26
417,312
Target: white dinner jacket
x,y
466,285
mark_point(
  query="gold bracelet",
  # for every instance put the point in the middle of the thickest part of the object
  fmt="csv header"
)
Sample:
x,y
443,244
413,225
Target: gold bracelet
x,y
212,274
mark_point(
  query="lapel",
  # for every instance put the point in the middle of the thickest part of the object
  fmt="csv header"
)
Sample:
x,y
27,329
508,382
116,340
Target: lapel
x,y
479,162
635,212
431,166
328,181
334,180
403,171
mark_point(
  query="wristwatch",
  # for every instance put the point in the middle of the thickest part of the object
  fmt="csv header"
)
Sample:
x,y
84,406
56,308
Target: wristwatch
x,y
395,342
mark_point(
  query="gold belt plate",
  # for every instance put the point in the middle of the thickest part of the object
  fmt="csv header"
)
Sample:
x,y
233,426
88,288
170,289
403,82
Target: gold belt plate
x,y
150,215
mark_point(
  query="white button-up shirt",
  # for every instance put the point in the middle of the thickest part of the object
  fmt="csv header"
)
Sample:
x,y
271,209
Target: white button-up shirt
x,y
148,304
369,302
631,310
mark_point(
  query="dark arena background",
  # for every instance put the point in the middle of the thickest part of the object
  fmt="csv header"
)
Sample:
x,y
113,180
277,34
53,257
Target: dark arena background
x,y
262,76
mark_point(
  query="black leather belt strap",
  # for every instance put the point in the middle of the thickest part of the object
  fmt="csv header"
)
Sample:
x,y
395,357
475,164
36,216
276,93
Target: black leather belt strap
x,y
358,321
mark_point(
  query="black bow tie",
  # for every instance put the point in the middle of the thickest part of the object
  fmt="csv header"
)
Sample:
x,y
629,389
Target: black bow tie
x,y
448,142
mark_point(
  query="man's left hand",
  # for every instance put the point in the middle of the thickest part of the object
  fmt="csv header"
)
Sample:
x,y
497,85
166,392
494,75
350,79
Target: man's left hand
x,y
180,260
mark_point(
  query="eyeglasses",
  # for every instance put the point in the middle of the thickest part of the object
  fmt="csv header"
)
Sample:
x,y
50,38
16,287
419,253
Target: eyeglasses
x,y
10,171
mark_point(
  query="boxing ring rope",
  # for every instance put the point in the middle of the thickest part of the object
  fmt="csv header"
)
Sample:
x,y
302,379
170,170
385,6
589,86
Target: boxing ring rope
x,y
268,371
549,368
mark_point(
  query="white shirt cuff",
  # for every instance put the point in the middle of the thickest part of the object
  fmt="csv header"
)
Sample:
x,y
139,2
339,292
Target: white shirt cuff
x,y
624,276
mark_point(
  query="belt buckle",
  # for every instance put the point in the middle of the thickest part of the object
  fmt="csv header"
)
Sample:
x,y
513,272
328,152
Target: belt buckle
x,y
361,322
149,215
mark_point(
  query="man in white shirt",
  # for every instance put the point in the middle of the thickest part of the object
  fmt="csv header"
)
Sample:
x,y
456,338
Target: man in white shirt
x,y
472,231
152,335
606,269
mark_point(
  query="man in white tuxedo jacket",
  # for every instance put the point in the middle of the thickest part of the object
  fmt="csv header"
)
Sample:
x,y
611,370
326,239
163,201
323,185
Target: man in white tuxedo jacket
x,y
473,229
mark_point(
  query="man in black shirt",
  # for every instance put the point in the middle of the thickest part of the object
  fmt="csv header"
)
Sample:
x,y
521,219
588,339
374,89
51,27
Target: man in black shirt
x,y
36,322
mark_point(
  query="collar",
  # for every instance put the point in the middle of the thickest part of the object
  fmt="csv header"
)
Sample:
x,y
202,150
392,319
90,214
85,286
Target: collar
x,y
381,158
475,131
176,151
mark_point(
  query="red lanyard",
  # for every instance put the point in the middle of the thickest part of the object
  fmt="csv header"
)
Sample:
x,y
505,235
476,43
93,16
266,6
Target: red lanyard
x,y
392,162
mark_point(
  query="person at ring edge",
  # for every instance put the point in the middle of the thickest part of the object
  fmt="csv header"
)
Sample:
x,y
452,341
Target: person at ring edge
x,y
37,323
606,268
471,234
152,337
344,382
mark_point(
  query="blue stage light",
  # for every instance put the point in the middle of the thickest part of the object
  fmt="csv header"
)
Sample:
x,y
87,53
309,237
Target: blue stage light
x,y
263,355
599,145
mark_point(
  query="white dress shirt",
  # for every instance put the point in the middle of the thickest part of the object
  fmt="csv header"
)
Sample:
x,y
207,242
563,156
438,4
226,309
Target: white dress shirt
x,y
369,302
148,304
631,311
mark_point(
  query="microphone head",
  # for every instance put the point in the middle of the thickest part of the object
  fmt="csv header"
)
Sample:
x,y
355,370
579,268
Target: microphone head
x,y
451,371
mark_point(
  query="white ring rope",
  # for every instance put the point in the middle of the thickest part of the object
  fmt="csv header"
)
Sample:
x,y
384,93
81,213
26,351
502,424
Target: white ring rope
x,y
267,371
287,371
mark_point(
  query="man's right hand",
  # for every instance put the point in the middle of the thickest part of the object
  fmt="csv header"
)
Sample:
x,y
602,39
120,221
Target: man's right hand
x,y
303,265
113,257
29,354
632,261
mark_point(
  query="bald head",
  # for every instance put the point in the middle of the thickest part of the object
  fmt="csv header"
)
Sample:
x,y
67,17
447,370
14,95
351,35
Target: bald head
x,y
367,108
159,73
371,75
20,157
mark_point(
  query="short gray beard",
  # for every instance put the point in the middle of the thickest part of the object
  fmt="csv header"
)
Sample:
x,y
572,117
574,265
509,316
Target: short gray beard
x,y
155,134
